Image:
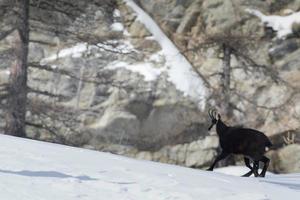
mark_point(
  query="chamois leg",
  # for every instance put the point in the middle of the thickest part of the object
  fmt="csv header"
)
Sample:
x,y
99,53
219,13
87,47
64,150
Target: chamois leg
x,y
247,163
219,157
266,162
255,168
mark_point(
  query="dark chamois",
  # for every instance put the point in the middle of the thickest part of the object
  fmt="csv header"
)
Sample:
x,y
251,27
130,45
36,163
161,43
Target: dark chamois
x,y
250,143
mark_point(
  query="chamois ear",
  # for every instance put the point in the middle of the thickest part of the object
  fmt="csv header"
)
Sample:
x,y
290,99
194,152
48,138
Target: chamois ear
x,y
219,116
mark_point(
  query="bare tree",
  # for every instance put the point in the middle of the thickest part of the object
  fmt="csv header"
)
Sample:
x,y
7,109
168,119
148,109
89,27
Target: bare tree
x,y
230,44
16,95
234,44
17,89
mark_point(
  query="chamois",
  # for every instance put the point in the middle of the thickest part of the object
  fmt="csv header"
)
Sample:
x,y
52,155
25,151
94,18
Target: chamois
x,y
250,143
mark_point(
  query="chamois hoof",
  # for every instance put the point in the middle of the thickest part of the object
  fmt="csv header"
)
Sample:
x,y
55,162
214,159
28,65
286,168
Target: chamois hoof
x,y
247,174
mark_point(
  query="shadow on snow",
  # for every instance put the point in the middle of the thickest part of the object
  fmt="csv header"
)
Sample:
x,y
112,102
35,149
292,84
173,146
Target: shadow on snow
x,y
294,186
48,174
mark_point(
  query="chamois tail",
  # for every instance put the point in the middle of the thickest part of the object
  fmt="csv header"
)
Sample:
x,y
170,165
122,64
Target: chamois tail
x,y
268,143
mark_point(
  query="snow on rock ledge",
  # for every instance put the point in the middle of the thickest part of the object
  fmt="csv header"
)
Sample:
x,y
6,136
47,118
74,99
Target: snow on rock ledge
x,y
180,72
281,24
149,72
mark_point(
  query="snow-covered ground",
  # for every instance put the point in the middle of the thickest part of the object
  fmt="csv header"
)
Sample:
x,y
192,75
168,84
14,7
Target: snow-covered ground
x,y
236,170
32,170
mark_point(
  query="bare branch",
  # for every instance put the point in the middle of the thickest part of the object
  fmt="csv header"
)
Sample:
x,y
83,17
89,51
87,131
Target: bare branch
x,y
47,128
4,34
45,93
286,102
95,80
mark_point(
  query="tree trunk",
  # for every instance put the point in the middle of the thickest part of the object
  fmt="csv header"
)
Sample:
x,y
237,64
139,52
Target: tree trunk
x,y
17,100
225,85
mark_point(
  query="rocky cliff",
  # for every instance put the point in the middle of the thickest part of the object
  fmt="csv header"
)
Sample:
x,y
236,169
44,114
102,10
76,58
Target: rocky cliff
x,y
104,78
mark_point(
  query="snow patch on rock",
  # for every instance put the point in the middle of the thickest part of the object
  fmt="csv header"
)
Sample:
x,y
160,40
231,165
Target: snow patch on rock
x,y
180,71
147,70
281,24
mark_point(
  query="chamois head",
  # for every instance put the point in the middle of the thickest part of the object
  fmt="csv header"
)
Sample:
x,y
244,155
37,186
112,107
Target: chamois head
x,y
213,116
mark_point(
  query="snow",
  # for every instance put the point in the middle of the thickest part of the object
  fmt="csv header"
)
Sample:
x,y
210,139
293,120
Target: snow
x,y
79,49
147,70
235,170
44,171
281,24
116,13
54,66
117,26
156,57
180,71
122,46
74,51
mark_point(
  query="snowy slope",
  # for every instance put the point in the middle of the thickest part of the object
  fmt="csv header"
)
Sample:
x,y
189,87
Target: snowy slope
x,y
32,170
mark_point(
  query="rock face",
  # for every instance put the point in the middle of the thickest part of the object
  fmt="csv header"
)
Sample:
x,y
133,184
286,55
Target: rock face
x,y
197,154
286,160
90,98
265,99
85,99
